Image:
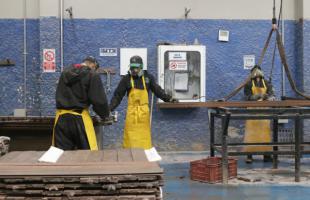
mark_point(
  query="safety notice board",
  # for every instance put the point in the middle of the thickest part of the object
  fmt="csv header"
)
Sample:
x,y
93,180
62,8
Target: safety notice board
x,y
49,60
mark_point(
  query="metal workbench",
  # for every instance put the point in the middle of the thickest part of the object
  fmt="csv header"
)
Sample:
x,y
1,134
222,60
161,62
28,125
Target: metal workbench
x,y
297,110
297,114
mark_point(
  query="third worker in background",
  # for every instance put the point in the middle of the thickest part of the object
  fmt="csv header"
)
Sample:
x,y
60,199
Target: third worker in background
x,y
256,131
136,84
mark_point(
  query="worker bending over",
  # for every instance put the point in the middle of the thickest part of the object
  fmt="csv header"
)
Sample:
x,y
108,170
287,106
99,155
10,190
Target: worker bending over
x,y
79,87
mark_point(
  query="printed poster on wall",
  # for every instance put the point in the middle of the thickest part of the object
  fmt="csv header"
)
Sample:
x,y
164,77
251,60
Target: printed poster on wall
x,y
49,60
248,61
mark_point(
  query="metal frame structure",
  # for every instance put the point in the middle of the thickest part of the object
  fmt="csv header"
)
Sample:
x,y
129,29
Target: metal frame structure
x,y
274,114
37,131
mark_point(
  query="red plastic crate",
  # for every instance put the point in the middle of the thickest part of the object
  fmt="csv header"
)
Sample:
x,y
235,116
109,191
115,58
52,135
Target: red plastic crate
x,y
210,169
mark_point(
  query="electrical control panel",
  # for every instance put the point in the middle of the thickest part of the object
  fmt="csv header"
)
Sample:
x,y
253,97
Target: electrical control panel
x,y
182,71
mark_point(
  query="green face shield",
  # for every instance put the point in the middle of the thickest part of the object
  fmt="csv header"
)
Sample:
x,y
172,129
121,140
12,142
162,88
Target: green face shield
x,y
136,69
136,65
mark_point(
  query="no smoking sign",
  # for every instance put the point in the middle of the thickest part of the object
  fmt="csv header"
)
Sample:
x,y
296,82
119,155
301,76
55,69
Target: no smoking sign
x,y
172,65
178,65
49,56
49,60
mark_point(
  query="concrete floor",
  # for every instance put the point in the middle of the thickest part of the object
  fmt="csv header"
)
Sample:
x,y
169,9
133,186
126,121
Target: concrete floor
x,y
273,185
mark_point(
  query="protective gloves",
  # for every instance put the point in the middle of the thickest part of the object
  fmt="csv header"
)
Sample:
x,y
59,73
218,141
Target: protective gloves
x,y
173,100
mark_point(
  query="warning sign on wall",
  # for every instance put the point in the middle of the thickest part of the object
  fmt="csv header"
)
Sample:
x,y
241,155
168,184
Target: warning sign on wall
x,y
49,60
178,65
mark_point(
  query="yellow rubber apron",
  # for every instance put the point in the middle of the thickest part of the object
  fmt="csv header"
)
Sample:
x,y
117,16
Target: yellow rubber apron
x,y
88,124
137,131
257,130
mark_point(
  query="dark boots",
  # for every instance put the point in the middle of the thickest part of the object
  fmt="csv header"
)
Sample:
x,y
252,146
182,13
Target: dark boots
x,y
267,158
249,159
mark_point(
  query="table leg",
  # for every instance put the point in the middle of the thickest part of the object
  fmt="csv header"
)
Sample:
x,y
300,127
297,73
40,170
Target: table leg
x,y
297,148
212,134
225,124
275,139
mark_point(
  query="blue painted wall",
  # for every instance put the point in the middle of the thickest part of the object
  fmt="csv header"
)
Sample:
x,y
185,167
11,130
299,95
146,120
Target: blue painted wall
x,y
12,78
172,129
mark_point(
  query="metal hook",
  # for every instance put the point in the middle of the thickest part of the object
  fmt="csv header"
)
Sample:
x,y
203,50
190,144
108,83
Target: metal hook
x,y
186,12
69,10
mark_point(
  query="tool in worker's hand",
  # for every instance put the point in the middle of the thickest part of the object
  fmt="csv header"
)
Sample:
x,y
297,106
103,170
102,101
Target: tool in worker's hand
x,y
114,116
107,121
108,81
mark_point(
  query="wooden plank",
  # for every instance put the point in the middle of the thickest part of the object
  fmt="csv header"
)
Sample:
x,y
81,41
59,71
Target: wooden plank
x,y
8,157
76,162
24,186
239,104
63,170
94,156
110,156
92,197
35,156
29,157
21,157
66,156
16,198
138,191
122,197
72,157
124,155
139,155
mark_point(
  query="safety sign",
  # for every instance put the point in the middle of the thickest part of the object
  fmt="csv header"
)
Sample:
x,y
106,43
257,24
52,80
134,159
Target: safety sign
x,y
108,51
177,56
178,65
49,60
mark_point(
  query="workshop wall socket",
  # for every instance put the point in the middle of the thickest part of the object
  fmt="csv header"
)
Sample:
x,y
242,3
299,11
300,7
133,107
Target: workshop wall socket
x,y
223,35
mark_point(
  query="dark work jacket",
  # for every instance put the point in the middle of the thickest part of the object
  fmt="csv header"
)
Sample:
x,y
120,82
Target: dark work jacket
x,y
125,86
78,88
248,89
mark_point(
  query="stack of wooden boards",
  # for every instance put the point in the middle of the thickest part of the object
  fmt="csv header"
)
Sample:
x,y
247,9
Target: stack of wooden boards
x,y
110,174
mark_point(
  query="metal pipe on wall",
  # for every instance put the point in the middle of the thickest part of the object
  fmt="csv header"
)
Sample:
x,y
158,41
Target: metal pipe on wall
x,y
283,71
25,53
61,36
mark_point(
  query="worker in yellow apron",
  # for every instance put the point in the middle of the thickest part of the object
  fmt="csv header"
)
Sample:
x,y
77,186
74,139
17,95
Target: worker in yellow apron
x,y
256,131
137,83
137,132
79,87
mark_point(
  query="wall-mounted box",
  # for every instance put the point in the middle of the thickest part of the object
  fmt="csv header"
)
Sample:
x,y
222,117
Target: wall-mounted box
x,y
182,71
223,35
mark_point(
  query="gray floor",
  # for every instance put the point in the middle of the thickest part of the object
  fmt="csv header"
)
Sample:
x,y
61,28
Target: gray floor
x,y
178,185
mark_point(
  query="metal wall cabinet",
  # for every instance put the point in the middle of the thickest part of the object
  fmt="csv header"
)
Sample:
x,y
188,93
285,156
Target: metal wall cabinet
x,y
182,71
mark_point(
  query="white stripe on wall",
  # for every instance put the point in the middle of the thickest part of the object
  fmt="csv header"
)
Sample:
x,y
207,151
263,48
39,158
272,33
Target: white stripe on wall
x,y
156,9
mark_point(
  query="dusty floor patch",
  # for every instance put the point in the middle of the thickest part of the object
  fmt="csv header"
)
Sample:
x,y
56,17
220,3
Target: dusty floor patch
x,y
256,173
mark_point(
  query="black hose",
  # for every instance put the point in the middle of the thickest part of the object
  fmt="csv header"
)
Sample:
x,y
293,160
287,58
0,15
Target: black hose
x,y
275,44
